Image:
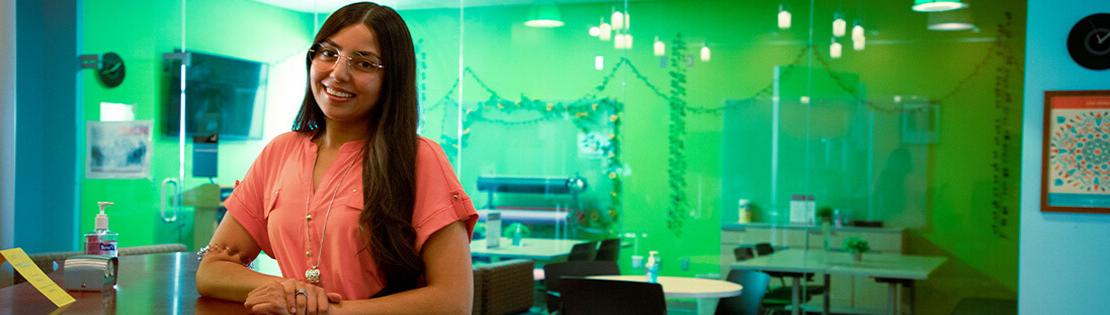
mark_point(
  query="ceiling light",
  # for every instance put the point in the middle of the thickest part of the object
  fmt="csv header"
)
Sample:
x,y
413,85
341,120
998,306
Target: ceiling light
x,y
595,31
937,5
606,32
835,50
658,48
705,54
618,20
839,26
859,43
857,31
599,62
959,20
784,18
544,16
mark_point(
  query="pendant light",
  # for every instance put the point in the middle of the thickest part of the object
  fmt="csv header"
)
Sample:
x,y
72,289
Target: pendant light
x,y
958,20
859,43
658,48
839,25
595,31
606,32
784,18
705,54
835,49
618,20
937,5
544,16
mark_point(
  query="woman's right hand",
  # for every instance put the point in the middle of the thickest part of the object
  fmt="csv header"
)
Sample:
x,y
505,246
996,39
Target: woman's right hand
x,y
283,297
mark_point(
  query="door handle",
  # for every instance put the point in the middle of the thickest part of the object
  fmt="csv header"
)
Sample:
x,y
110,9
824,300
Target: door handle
x,y
175,201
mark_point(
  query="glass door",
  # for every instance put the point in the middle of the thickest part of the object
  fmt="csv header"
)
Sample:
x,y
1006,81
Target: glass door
x,y
133,151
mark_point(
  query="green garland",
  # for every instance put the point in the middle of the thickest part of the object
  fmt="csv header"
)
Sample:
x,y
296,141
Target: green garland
x,y
676,137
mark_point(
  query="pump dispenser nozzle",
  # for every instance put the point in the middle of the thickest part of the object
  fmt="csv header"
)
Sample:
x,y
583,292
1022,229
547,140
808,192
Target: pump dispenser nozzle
x,y
102,218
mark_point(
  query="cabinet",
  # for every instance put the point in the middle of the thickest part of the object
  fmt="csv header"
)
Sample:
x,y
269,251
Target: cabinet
x,y
849,293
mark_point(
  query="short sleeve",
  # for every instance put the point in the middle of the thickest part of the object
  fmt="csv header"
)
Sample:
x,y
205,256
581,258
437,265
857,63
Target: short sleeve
x,y
440,199
247,202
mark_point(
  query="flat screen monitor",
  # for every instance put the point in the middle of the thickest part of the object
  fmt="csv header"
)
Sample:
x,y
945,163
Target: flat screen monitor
x,y
223,95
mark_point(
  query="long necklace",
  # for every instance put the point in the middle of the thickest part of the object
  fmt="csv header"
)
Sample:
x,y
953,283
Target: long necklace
x,y
312,274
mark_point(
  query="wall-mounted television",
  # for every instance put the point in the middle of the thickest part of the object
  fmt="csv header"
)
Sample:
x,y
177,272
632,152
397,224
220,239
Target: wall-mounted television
x,y
223,95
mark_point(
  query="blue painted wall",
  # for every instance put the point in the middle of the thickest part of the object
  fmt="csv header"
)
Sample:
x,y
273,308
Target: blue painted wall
x,y
46,111
1063,257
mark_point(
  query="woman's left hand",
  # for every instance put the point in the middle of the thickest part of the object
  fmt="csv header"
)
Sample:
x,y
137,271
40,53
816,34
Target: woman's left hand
x,y
290,296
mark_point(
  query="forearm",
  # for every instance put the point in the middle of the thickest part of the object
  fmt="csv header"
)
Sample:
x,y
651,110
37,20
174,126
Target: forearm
x,y
227,280
425,300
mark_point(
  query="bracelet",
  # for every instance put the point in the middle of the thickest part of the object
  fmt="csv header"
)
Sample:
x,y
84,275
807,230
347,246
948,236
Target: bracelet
x,y
218,247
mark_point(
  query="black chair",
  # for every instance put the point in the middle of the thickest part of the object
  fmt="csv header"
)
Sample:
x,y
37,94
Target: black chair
x,y
748,303
553,273
763,249
743,253
583,296
608,250
583,251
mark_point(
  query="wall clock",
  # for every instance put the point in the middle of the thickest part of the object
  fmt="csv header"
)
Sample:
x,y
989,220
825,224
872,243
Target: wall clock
x,y
1089,42
111,70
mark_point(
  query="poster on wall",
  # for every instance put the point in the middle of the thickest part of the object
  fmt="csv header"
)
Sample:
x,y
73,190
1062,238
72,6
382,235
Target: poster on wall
x,y
1076,165
118,149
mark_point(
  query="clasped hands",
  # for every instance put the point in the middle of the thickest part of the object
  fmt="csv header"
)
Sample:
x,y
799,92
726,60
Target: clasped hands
x,y
290,296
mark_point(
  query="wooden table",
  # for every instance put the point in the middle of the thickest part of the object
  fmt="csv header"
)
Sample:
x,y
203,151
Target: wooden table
x,y
706,291
147,284
539,249
893,269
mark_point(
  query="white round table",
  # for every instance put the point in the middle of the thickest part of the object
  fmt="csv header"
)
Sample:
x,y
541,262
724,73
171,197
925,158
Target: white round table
x,y
683,287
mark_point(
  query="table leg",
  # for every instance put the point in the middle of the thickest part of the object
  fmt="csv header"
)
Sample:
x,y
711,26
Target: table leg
x,y
795,296
909,285
893,298
828,289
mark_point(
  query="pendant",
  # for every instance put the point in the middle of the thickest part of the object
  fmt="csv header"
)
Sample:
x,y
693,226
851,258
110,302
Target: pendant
x,y
312,275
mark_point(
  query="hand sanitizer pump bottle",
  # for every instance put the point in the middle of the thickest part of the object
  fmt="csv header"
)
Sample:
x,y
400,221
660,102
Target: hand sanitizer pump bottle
x,y
101,241
652,266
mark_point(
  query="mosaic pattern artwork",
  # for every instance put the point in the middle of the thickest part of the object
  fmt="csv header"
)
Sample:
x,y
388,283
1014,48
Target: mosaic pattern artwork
x,y
1079,152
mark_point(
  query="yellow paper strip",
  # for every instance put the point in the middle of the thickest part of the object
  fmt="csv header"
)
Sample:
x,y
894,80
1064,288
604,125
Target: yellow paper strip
x,y
24,266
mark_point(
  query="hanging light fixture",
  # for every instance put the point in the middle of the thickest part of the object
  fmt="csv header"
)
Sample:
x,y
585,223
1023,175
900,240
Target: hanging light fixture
x,y
835,49
606,32
784,18
838,25
617,20
627,21
658,48
618,41
857,31
627,41
595,31
705,54
937,5
544,16
859,43
958,20
599,63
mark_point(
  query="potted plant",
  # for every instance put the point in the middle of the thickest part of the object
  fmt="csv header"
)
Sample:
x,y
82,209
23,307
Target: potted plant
x,y
857,246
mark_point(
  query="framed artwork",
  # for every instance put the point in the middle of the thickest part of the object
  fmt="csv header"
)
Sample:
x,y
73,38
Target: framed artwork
x,y
1075,169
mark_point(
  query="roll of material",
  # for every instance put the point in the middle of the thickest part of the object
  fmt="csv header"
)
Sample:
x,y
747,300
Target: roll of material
x,y
536,185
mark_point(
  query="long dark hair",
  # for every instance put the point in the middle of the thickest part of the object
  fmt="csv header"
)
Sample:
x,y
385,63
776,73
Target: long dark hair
x,y
389,156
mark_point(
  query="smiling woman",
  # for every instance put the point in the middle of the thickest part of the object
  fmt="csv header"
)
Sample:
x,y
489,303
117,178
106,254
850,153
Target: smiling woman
x,y
398,239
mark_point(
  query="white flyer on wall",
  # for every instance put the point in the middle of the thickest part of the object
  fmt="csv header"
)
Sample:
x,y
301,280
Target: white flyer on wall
x,y
118,149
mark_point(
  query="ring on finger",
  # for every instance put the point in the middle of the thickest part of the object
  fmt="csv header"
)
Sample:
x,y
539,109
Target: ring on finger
x,y
300,291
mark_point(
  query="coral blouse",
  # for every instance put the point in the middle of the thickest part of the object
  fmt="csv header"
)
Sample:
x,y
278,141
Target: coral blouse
x,y
271,201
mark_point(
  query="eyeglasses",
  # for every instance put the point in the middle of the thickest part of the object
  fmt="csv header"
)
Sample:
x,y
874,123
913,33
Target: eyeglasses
x,y
326,55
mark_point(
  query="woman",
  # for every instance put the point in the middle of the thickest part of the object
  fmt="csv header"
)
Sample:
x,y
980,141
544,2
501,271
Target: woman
x,y
362,215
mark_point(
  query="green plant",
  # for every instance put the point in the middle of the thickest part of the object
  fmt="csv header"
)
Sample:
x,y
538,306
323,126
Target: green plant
x,y
508,230
825,214
856,245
